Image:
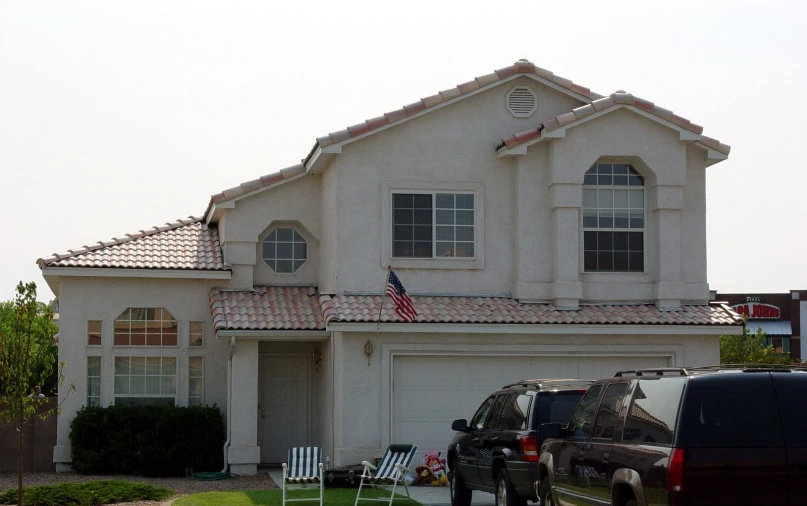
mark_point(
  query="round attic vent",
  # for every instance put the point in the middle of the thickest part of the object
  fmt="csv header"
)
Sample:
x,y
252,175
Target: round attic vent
x,y
521,102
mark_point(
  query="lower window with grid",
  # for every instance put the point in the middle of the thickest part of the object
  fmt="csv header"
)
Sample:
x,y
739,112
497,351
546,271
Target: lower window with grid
x,y
145,381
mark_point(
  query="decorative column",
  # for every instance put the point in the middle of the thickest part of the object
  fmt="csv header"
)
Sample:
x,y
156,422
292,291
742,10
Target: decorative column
x,y
566,200
667,219
244,454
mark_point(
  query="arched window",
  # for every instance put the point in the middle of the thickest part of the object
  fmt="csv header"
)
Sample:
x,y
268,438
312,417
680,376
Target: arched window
x,y
613,219
284,250
145,326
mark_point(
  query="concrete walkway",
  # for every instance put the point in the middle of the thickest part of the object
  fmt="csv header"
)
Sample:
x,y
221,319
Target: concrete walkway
x,y
428,496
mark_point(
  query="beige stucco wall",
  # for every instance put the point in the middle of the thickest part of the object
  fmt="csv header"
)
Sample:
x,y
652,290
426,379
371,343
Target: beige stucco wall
x,y
362,391
82,299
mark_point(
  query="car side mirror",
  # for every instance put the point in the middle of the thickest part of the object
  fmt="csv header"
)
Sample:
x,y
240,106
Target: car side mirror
x,y
460,425
550,431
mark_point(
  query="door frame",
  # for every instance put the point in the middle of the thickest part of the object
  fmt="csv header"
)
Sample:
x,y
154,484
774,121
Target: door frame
x,y
309,378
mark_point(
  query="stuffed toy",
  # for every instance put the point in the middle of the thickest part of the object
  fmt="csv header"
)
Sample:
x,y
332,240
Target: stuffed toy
x,y
433,470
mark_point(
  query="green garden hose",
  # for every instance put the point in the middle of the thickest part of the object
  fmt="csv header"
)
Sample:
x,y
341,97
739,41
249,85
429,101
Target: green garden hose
x,y
211,476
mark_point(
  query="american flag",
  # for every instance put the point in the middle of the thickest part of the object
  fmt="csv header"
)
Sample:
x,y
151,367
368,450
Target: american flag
x,y
403,304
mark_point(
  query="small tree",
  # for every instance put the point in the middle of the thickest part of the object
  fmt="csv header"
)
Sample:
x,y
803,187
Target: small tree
x,y
747,348
26,359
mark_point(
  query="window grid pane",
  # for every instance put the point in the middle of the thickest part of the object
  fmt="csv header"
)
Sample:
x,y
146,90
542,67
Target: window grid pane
x,y
613,219
196,388
94,333
433,225
145,377
284,250
196,334
93,381
146,327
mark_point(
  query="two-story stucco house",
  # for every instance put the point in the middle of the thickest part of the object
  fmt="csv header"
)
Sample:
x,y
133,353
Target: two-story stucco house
x,y
541,229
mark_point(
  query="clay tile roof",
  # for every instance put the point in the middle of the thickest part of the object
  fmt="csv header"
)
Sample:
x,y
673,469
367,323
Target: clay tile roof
x,y
364,308
257,184
267,308
601,104
520,67
183,244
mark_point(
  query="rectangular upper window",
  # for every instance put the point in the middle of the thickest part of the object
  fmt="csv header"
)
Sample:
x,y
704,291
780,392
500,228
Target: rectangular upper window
x,y
94,333
196,334
145,326
433,225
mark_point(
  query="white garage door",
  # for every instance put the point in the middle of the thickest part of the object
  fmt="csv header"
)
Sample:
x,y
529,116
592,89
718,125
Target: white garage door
x,y
430,391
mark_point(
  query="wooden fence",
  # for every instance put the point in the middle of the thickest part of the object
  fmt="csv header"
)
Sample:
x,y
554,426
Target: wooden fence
x,y
39,438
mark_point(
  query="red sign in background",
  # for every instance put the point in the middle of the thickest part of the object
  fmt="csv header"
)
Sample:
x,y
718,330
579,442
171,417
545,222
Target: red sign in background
x,y
758,310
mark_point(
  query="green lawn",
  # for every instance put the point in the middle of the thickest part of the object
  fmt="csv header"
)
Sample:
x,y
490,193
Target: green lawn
x,y
333,497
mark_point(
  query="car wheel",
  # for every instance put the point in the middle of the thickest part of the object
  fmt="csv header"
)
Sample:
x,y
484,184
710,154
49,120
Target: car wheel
x,y
505,492
460,494
546,496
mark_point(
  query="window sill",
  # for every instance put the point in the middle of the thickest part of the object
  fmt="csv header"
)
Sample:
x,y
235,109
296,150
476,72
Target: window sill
x,y
435,263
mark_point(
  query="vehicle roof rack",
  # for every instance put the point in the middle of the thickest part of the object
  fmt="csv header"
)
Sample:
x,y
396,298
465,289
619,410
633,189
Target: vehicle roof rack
x,y
688,371
549,381
656,371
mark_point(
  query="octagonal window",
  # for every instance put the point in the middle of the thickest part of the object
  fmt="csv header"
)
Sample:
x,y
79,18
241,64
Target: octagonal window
x,y
284,250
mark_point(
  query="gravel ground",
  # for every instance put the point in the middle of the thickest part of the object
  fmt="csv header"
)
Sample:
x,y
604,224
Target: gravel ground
x,y
182,486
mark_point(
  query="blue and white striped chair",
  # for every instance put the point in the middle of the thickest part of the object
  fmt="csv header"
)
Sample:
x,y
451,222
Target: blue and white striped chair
x,y
390,473
303,471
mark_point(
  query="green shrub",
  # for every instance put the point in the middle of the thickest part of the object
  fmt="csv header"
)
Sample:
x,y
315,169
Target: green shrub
x,y
89,493
147,440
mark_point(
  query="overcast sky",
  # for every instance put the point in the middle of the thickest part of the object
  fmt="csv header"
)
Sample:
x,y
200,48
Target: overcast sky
x,y
116,116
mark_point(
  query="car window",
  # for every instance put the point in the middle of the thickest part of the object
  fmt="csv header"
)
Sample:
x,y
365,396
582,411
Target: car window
x,y
791,391
481,415
737,410
514,416
653,410
495,412
580,423
557,407
611,405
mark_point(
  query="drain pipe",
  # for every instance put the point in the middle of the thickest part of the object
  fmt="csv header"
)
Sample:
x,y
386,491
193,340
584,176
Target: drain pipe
x,y
229,404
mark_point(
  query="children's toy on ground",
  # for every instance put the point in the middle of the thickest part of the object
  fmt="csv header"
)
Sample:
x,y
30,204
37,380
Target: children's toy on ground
x,y
433,470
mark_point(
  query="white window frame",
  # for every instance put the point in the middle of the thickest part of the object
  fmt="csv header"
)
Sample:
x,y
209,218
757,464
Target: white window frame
x,y
476,262
643,230
201,378
98,377
175,395
190,333
146,345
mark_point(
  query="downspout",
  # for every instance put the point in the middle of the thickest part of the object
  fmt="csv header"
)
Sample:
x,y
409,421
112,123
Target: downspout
x,y
229,404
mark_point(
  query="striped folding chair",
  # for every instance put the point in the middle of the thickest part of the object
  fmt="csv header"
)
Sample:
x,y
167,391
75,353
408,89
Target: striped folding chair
x,y
303,471
390,473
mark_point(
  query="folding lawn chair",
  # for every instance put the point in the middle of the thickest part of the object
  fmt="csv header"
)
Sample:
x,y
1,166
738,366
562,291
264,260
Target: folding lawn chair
x,y
303,471
390,473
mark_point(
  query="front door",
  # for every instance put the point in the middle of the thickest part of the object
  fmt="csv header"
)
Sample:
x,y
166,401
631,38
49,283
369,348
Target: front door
x,y
283,405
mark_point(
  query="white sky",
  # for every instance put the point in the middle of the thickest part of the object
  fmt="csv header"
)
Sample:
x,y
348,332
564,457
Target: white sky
x,y
116,116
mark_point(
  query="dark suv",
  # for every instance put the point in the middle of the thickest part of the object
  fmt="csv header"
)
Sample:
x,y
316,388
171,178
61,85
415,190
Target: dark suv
x,y
497,451
723,435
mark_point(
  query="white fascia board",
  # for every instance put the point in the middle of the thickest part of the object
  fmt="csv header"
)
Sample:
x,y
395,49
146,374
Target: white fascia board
x,y
263,189
508,328
516,151
275,335
562,89
435,108
320,158
108,272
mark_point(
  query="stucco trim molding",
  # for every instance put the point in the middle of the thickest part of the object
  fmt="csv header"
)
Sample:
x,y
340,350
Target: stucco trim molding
x,y
106,272
514,328
274,335
672,352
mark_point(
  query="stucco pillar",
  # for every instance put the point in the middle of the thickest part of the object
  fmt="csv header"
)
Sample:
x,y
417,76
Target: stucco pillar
x,y
667,218
241,256
244,454
566,200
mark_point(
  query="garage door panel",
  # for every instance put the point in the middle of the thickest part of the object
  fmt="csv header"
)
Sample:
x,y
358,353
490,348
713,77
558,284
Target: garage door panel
x,y
430,391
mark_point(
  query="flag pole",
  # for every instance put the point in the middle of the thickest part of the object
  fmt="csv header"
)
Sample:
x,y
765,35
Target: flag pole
x,y
383,296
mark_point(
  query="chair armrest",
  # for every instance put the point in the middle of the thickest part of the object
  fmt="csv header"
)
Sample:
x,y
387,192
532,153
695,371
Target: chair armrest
x,y
368,465
402,468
